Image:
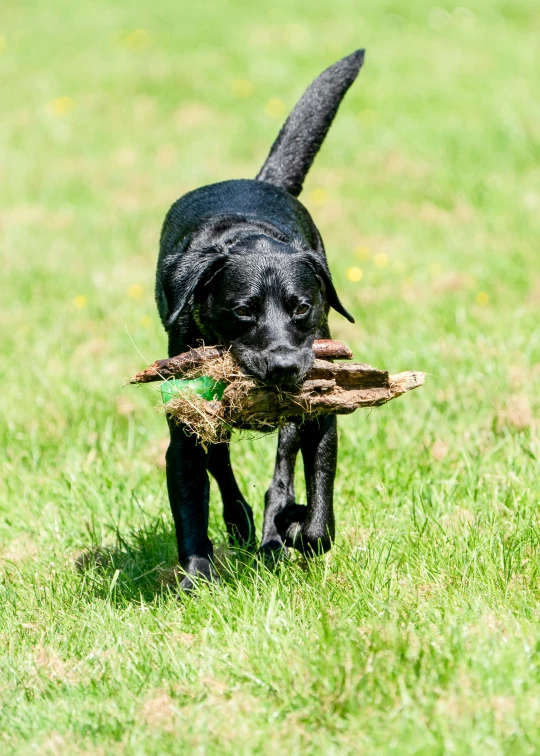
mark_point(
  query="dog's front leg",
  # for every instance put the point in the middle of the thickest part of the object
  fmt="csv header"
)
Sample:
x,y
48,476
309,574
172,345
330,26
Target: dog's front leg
x,y
280,495
189,489
311,529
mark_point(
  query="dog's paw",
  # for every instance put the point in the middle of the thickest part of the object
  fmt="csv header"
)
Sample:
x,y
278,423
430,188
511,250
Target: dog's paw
x,y
308,541
290,520
197,570
272,553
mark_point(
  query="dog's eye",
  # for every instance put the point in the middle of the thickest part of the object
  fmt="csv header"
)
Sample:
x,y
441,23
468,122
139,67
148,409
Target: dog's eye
x,y
243,312
302,309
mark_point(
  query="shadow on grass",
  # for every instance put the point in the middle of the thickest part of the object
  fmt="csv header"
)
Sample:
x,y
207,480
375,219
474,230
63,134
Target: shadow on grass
x,y
143,566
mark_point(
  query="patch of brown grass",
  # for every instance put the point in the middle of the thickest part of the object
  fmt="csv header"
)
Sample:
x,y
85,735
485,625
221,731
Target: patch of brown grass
x,y
155,453
19,550
48,662
161,712
457,519
54,745
517,415
124,405
434,215
192,115
438,450
399,164
534,295
451,282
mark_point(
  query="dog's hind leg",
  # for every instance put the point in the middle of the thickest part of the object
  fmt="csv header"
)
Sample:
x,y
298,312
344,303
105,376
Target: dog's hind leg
x,y
280,495
237,513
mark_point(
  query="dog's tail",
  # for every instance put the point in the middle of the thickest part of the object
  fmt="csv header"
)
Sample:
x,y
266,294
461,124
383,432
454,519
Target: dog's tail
x,y
304,130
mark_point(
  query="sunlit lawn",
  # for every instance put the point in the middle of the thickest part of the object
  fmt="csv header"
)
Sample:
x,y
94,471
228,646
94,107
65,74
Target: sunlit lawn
x,y
419,633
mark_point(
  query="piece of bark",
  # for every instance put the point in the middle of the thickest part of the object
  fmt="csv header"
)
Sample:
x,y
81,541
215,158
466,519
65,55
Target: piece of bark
x,y
348,375
260,406
330,349
161,370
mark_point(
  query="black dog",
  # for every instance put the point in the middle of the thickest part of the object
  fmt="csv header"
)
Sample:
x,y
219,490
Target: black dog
x,y
242,264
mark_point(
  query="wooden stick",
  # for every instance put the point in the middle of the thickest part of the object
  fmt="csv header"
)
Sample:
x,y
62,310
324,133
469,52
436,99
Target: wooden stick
x,y
321,396
348,375
161,370
330,349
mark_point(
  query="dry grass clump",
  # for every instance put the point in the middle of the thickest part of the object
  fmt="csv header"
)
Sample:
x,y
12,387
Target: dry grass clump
x,y
161,712
222,369
199,416
212,421
517,414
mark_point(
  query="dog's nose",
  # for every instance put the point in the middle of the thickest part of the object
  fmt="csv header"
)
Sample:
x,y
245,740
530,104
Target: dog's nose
x,y
282,368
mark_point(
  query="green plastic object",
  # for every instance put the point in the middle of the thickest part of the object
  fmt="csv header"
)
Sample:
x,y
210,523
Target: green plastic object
x,y
205,387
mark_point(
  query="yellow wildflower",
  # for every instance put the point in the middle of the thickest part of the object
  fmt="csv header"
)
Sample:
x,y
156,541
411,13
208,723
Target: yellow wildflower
x,y
275,107
80,301
362,252
367,115
137,39
381,259
319,196
135,291
61,106
242,88
355,274
482,298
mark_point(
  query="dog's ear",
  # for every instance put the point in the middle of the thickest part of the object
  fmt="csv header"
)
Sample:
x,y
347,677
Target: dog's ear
x,y
180,288
323,273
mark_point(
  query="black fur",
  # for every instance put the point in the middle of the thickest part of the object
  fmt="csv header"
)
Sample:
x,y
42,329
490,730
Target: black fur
x,y
242,264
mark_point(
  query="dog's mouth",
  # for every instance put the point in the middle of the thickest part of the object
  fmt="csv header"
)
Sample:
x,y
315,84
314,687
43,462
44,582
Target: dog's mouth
x,y
282,369
289,384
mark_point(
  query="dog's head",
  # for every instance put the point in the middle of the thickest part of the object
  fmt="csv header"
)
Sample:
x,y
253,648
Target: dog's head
x,y
264,298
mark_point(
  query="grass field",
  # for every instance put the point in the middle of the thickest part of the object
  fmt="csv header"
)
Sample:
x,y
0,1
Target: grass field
x,y
419,633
